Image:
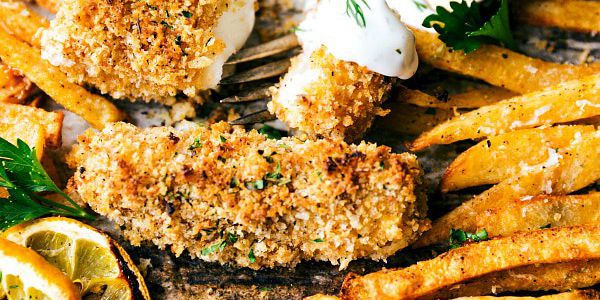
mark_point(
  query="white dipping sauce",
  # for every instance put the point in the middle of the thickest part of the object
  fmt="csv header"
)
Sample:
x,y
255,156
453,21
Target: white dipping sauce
x,y
384,45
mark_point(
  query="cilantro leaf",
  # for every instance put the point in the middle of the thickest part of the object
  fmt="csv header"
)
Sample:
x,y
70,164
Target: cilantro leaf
x,y
468,27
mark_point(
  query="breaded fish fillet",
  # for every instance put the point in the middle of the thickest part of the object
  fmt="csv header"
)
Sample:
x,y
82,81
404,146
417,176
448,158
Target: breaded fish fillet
x,y
324,96
148,50
232,196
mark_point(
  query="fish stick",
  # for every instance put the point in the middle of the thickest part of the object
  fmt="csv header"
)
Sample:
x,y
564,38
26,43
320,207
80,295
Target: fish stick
x,y
236,197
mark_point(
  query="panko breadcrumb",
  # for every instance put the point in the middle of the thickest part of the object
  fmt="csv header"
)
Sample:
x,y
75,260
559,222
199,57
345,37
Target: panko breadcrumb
x,y
150,50
227,195
327,97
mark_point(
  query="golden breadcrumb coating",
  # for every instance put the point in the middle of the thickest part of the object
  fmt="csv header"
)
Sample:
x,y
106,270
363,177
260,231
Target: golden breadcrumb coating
x,y
150,50
232,196
340,99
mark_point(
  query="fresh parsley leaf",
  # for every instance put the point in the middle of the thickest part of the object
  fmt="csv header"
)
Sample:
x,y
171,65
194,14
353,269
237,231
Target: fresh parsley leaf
x,y
354,9
459,237
270,132
230,239
23,176
251,256
468,27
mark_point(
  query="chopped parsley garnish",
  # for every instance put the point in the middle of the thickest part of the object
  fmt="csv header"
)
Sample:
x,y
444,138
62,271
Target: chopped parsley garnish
x,y
459,237
14,286
197,144
186,14
251,256
164,23
255,185
230,239
468,27
354,9
270,132
23,176
546,226
382,165
222,139
399,51
318,240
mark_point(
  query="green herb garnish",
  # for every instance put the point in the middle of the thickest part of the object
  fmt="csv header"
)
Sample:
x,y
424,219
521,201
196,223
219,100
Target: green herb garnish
x,y
23,176
197,144
251,256
230,239
468,27
459,237
354,9
222,139
270,132
186,14
164,23
420,5
318,240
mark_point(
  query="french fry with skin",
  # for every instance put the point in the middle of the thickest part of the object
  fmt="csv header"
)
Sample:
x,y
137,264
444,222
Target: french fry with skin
x,y
18,20
546,277
507,155
51,122
498,66
571,169
555,245
470,99
582,16
574,295
93,108
567,102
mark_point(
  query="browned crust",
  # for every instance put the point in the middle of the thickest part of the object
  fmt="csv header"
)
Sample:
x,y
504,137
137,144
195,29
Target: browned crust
x,y
360,200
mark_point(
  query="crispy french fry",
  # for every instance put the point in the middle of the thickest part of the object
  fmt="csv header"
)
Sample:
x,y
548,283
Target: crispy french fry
x,y
50,121
14,88
18,20
508,155
321,297
556,277
555,245
573,295
541,211
583,16
410,119
93,108
577,167
498,66
474,98
570,101
30,132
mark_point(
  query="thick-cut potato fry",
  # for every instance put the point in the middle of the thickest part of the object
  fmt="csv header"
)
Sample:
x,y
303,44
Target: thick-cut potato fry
x,y
14,88
21,22
540,211
574,295
569,101
555,245
508,155
50,121
31,133
556,277
474,98
498,66
410,119
576,15
574,168
93,108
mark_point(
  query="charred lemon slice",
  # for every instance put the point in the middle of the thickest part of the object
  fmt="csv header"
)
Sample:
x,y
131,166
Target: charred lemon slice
x,y
27,275
92,260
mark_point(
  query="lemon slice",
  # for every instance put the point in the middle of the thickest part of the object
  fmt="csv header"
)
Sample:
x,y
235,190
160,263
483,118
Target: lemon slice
x,y
27,275
90,258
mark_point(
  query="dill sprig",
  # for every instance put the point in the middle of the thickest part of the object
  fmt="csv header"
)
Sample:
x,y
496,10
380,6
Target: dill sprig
x,y
354,9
